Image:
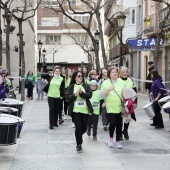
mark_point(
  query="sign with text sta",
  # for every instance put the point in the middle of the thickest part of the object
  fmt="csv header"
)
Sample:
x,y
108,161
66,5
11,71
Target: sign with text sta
x,y
146,42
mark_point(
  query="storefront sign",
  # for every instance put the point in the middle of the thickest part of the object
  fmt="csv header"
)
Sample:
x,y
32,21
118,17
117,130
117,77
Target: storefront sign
x,y
147,42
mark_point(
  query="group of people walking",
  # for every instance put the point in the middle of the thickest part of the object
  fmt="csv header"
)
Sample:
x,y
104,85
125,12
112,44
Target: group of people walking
x,y
87,95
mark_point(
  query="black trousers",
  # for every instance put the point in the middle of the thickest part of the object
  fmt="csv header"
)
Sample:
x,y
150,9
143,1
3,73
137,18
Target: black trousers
x,y
115,121
93,120
54,104
157,119
80,121
105,121
30,91
61,109
65,107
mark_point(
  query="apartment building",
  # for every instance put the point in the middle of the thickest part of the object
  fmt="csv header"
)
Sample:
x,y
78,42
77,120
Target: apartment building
x,y
129,8
59,35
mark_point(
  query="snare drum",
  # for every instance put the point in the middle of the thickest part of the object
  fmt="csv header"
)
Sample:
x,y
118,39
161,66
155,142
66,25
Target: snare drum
x,y
149,109
20,125
163,100
9,110
13,103
166,107
8,130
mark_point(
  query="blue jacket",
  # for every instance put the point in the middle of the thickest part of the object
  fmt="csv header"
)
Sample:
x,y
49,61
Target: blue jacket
x,y
156,87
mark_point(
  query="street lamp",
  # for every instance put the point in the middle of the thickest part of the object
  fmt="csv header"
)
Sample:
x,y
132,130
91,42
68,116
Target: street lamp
x,y
97,38
92,58
121,22
39,47
44,54
6,17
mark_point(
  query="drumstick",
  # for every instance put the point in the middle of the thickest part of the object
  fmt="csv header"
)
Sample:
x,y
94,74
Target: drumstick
x,y
164,89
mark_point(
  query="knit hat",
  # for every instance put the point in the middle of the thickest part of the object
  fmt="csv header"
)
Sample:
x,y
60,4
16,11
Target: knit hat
x,y
94,82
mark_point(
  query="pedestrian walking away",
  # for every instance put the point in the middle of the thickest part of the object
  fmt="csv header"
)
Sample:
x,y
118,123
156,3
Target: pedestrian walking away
x,y
124,74
111,90
78,95
30,79
157,93
55,90
94,118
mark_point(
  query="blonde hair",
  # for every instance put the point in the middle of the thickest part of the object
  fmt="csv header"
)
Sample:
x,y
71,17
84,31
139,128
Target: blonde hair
x,y
91,73
122,69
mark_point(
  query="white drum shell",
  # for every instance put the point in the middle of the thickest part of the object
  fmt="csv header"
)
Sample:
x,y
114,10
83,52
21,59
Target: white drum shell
x,y
149,109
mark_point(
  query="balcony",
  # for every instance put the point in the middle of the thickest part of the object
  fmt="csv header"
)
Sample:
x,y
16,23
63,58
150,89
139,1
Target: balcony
x,y
149,30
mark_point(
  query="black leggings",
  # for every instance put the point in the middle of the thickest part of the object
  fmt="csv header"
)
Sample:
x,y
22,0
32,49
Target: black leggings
x,y
54,104
30,91
93,120
115,121
80,121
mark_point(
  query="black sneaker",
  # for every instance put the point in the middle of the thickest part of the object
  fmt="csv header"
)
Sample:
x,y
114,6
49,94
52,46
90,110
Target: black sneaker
x,y
51,127
79,149
56,125
153,124
61,121
126,136
159,127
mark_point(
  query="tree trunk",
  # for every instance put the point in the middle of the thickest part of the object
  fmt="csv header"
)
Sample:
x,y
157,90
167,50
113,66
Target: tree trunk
x,y
101,38
8,45
0,41
22,61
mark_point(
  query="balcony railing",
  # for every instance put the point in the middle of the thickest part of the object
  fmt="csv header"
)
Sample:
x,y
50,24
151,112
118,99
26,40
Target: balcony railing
x,y
149,30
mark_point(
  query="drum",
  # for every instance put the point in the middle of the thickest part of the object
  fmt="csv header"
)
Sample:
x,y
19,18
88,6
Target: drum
x,y
149,109
163,100
9,110
20,124
13,103
8,130
166,107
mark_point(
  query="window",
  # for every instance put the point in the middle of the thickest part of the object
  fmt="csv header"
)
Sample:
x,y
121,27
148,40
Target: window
x,y
72,4
133,16
140,15
81,38
163,14
82,19
50,21
53,39
52,3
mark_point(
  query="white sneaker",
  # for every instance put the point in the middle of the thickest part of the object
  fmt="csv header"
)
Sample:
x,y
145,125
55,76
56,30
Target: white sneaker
x,y
65,117
73,125
110,143
118,145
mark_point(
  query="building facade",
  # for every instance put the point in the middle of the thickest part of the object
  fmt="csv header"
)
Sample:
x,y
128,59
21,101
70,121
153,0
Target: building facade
x,y
59,36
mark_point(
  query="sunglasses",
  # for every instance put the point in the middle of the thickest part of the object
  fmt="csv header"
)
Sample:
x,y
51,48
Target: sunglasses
x,y
79,76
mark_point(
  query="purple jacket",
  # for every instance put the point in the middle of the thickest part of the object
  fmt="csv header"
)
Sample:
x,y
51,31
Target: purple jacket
x,y
156,87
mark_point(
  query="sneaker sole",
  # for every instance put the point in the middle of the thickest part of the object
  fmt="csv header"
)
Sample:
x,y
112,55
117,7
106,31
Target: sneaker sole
x,y
80,151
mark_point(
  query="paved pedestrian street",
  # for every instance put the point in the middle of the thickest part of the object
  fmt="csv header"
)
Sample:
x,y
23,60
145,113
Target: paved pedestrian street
x,y
44,149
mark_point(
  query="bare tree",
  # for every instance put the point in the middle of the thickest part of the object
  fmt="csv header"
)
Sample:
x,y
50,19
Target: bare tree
x,y
0,39
66,8
22,11
160,32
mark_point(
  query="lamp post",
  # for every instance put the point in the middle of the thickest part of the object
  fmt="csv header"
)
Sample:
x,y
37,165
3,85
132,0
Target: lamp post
x,y
121,22
39,47
131,60
18,37
43,54
92,58
97,38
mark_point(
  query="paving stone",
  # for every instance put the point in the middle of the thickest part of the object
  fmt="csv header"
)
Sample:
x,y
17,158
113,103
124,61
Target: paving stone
x,y
74,163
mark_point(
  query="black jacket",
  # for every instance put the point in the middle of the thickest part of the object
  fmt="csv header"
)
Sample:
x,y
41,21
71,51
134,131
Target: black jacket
x,y
48,78
70,97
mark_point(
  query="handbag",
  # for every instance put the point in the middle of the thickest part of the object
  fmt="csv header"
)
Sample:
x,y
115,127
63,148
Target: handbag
x,y
46,86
